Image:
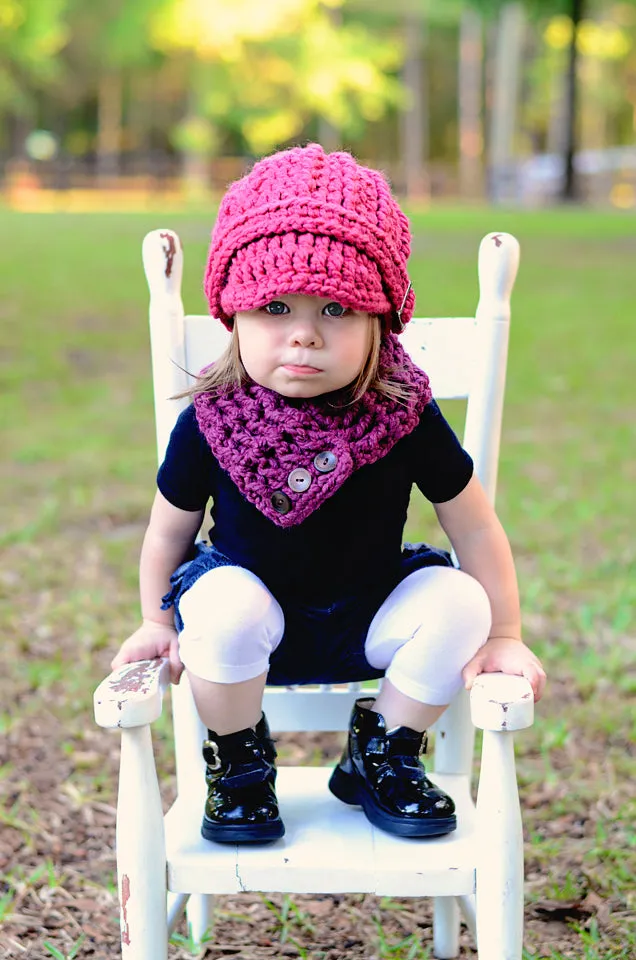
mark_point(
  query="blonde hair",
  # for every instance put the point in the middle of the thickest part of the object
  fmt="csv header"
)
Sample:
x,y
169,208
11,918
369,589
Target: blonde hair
x,y
228,373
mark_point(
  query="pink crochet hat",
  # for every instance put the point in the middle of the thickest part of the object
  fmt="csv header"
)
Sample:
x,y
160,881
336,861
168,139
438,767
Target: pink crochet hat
x,y
306,221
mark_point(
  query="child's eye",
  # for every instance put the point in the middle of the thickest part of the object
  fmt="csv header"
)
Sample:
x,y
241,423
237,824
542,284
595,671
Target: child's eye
x,y
334,309
276,308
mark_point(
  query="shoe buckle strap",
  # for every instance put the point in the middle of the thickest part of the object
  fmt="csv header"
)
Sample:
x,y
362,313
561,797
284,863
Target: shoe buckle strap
x,y
248,775
403,747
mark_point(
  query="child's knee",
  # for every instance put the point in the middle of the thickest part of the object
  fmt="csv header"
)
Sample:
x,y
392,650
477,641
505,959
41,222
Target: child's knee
x,y
453,623
470,603
436,600
232,615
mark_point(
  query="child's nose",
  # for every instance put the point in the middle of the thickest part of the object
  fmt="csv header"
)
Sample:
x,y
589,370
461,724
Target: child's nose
x,y
304,332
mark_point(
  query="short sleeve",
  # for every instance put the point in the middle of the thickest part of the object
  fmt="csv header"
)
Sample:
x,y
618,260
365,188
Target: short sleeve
x,y
185,476
442,468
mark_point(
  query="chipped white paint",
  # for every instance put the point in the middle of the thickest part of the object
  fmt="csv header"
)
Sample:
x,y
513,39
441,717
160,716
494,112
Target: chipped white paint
x,y
498,264
141,852
479,867
328,847
499,852
312,708
163,263
132,695
500,702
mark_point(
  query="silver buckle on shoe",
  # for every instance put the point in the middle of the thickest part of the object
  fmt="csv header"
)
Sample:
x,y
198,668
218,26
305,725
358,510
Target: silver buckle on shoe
x,y
214,747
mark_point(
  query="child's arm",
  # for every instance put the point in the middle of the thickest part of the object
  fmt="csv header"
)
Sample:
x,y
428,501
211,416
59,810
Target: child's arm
x,y
168,539
483,551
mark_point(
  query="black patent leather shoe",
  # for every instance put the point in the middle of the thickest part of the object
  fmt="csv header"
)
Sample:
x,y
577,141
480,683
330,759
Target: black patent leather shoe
x,y
381,771
241,806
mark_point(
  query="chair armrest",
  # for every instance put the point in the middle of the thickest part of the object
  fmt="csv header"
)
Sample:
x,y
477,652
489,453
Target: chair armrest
x,y
132,695
501,702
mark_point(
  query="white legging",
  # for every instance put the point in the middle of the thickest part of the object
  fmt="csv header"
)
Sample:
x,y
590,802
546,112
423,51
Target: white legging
x,y
424,633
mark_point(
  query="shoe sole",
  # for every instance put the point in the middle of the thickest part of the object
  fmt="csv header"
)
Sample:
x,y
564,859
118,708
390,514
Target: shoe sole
x,y
351,790
242,833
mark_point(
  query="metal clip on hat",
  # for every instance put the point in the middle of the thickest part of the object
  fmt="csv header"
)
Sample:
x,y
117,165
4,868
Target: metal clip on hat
x,y
398,313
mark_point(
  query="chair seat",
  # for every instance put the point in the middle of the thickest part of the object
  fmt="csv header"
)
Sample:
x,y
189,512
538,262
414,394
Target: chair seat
x,y
328,847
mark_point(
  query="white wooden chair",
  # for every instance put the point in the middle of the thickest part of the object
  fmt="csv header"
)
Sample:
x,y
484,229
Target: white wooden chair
x,y
328,847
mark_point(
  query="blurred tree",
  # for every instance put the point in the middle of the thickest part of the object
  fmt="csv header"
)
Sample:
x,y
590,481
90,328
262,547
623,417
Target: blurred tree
x,y
328,135
263,70
470,102
400,81
506,74
415,115
604,46
427,121
576,11
109,44
32,33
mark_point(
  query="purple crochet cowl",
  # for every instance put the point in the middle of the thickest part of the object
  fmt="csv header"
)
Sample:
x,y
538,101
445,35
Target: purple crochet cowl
x,y
287,458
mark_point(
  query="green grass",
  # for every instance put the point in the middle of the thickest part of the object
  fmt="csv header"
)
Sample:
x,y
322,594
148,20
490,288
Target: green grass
x,y
78,469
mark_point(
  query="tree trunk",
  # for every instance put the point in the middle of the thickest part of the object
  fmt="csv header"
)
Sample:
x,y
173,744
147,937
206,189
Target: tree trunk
x,y
415,120
471,137
505,94
328,135
109,119
139,119
555,142
198,144
570,189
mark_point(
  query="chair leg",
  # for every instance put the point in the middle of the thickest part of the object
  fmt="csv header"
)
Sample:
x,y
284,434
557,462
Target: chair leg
x,y
176,908
200,912
445,928
499,896
141,851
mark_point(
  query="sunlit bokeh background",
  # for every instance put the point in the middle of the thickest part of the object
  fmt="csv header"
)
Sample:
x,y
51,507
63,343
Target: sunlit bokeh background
x,y
165,100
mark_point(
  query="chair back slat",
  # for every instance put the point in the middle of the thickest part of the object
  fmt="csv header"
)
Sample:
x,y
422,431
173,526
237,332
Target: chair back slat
x,y
464,357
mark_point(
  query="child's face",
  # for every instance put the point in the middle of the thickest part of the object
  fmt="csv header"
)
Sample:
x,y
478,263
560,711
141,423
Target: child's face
x,y
303,346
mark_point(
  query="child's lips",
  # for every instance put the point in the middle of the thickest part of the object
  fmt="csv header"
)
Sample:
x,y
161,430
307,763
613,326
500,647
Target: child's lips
x,y
301,368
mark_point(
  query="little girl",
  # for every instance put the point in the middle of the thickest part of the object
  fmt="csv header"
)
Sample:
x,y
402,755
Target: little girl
x,y
308,435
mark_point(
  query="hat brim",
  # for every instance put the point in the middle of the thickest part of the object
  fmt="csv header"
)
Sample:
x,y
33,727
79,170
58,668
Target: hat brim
x,y
316,266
